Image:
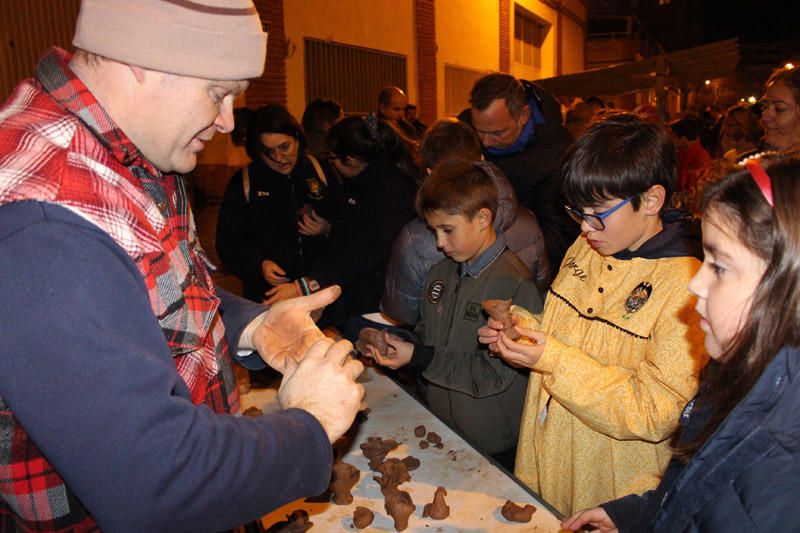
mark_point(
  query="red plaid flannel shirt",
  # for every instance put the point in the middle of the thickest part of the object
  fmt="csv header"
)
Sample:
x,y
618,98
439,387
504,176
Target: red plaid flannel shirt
x,y
105,179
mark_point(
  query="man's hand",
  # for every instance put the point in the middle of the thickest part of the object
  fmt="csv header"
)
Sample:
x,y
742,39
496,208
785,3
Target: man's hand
x,y
397,355
273,272
323,383
281,292
287,330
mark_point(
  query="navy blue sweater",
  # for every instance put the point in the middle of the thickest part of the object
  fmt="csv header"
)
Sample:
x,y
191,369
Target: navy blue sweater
x,y
86,370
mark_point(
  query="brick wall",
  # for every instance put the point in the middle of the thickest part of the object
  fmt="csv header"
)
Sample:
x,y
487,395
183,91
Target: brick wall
x,y
505,36
425,21
270,88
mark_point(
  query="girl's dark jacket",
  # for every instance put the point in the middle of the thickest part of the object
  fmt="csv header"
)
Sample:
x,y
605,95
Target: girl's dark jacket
x,y
264,226
747,475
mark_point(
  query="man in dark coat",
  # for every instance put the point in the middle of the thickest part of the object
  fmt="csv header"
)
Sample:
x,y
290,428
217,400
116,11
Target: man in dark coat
x,y
519,126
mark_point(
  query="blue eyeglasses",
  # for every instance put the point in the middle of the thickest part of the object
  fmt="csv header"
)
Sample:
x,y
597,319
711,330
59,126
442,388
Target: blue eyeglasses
x,y
594,220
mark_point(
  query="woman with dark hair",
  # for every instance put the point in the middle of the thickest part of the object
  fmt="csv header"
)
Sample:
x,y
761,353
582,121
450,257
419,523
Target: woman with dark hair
x,y
380,175
781,110
276,211
736,460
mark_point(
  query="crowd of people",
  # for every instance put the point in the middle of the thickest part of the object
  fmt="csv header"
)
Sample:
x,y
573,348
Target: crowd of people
x,y
644,379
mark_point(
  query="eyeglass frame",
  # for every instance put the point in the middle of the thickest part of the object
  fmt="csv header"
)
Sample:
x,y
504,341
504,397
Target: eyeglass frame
x,y
580,217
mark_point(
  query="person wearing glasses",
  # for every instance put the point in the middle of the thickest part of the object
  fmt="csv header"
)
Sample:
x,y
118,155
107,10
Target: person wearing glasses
x,y
617,352
277,211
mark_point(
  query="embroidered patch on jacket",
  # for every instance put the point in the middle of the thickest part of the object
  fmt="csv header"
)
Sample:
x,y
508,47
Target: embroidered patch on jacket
x,y
435,290
472,312
316,190
262,193
637,298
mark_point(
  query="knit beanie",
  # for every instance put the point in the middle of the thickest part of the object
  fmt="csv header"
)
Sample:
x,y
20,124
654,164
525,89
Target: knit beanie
x,y
210,39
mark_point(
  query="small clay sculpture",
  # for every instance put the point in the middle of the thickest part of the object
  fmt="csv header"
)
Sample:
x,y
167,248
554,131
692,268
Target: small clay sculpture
x,y
500,310
438,509
375,338
423,444
375,449
419,431
393,472
344,477
399,506
297,522
411,462
252,411
514,513
433,438
362,517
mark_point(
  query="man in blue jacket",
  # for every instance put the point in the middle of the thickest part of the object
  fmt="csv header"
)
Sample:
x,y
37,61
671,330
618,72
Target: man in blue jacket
x,y
116,390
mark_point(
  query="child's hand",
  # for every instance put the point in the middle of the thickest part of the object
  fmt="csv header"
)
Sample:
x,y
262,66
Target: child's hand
x,y
488,334
397,355
596,517
521,355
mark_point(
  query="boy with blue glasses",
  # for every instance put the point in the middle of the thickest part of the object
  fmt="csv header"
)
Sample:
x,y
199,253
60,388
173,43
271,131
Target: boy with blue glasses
x,y
617,353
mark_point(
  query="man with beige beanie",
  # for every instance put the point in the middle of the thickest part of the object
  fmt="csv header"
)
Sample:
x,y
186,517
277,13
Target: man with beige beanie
x,y
116,390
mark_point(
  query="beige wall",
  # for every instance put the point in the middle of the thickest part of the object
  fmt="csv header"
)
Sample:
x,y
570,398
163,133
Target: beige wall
x,y
573,54
386,25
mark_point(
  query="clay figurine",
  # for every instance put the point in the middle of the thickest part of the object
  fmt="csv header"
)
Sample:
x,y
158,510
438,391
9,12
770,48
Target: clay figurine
x,y
375,338
297,522
438,509
399,506
393,472
514,513
419,431
411,462
362,517
344,477
375,449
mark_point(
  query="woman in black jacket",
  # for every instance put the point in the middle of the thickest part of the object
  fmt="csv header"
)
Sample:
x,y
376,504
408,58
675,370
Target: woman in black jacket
x,y
379,173
736,462
276,212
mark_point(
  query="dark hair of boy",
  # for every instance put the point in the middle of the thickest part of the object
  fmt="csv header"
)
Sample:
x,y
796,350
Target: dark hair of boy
x,y
773,234
457,188
449,139
686,127
496,85
271,118
621,156
321,114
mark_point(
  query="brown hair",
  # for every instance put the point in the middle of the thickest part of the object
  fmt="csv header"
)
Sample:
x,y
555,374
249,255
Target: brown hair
x,y
789,76
494,86
458,188
774,317
449,139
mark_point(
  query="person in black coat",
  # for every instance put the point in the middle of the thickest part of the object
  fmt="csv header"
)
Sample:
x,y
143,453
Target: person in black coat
x,y
736,462
380,175
277,212
519,126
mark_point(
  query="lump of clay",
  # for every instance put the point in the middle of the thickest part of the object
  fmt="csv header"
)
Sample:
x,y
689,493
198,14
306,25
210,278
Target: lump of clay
x,y
419,431
399,506
500,310
411,462
423,444
438,509
374,337
344,477
297,522
362,517
393,472
433,438
252,411
375,449
514,513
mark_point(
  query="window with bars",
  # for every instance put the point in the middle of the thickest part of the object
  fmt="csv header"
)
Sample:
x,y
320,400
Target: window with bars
x,y
351,74
458,83
529,34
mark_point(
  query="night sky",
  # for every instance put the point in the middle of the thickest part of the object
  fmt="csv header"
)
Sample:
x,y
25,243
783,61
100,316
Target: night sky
x,y
752,22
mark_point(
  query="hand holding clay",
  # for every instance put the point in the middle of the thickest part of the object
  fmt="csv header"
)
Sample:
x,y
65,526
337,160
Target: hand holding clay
x,y
287,330
334,405
371,336
398,352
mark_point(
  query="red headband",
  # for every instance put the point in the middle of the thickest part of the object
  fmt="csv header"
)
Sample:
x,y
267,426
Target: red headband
x,y
761,178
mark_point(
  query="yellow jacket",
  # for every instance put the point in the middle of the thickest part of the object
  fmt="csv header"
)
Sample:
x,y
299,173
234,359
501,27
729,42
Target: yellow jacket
x,y
622,358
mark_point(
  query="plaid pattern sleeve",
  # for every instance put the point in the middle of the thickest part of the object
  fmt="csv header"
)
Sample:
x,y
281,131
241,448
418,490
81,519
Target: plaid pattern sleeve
x,y
57,145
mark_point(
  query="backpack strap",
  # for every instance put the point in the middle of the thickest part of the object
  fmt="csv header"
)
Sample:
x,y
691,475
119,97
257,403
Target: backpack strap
x,y
322,177
246,183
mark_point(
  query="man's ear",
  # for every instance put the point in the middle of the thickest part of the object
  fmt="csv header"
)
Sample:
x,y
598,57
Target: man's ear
x,y
524,115
653,200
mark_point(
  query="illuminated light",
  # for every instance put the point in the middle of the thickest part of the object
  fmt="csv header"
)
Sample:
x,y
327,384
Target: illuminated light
x,y
708,82
752,100
741,99
788,66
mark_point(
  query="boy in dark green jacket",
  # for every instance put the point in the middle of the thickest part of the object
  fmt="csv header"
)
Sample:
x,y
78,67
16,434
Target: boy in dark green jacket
x,y
479,395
